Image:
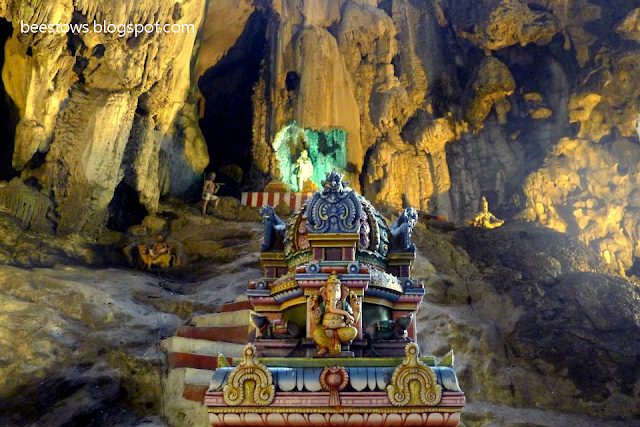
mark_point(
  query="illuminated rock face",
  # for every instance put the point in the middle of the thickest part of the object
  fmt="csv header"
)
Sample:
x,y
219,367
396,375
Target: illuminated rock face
x,y
443,122
437,103
97,110
589,190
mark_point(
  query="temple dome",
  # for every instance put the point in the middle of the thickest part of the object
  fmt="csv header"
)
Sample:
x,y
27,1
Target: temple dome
x,y
337,209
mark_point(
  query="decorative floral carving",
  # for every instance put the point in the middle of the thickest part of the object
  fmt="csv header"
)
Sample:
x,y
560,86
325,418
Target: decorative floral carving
x,y
250,383
313,267
365,231
334,380
336,209
413,383
409,283
303,239
295,237
353,267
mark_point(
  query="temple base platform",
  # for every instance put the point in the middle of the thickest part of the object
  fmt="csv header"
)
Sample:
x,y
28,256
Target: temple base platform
x,y
340,391
333,417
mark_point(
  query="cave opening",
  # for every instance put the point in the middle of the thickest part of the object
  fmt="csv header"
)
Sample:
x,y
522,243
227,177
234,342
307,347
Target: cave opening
x,y
387,6
397,65
292,81
227,87
125,208
612,14
634,271
9,114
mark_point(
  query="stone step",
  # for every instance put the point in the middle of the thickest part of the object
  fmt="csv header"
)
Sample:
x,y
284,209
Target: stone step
x,y
196,384
230,334
195,393
236,306
226,319
199,377
194,361
182,397
198,346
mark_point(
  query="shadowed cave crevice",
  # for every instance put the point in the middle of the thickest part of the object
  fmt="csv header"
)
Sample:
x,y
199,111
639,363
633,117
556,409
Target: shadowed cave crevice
x,y
227,87
125,208
9,115
546,70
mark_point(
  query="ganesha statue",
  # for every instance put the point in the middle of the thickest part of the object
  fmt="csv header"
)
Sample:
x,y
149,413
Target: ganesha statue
x,y
334,310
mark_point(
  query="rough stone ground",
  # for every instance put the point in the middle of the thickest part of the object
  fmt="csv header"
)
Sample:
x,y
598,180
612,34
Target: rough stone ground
x,y
80,330
522,307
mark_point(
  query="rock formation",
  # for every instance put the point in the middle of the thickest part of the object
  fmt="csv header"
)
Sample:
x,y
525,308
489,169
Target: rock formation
x,y
79,339
535,294
520,306
442,101
589,190
97,110
534,105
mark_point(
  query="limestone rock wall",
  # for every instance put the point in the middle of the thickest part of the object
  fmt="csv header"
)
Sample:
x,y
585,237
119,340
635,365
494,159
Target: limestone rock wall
x,y
590,190
447,101
529,324
442,101
97,109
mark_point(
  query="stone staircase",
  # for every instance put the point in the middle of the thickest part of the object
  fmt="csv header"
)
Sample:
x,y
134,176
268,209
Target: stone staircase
x,y
193,356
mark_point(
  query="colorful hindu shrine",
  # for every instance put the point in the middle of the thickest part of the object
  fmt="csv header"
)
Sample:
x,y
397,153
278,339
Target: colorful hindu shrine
x,y
334,342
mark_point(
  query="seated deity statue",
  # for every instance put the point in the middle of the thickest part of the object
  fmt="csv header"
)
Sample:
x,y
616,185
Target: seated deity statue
x,y
484,218
335,316
157,254
304,169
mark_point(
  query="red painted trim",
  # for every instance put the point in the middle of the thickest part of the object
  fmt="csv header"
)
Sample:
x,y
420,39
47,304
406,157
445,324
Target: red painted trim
x,y
194,392
195,361
233,334
236,306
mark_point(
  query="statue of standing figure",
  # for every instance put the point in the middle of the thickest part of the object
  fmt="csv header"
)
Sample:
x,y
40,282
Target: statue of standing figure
x,y
304,169
484,218
209,191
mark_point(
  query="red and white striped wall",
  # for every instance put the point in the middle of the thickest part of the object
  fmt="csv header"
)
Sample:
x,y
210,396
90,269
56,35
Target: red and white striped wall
x,y
257,199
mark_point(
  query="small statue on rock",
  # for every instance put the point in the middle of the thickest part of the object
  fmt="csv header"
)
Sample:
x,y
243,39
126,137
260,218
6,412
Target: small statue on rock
x,y
304,169
390,329
209,191
484,218
401,231
275,329
334,315
274,228
157,254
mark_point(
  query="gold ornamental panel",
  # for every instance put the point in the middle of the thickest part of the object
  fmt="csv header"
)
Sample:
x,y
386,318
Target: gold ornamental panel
x,y
413,383
250,383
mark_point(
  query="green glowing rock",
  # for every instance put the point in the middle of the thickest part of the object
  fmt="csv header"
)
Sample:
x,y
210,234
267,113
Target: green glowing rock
x,y
327,150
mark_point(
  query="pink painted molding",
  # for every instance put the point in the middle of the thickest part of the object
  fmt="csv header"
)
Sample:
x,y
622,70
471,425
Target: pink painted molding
x,y
433,419
347,399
